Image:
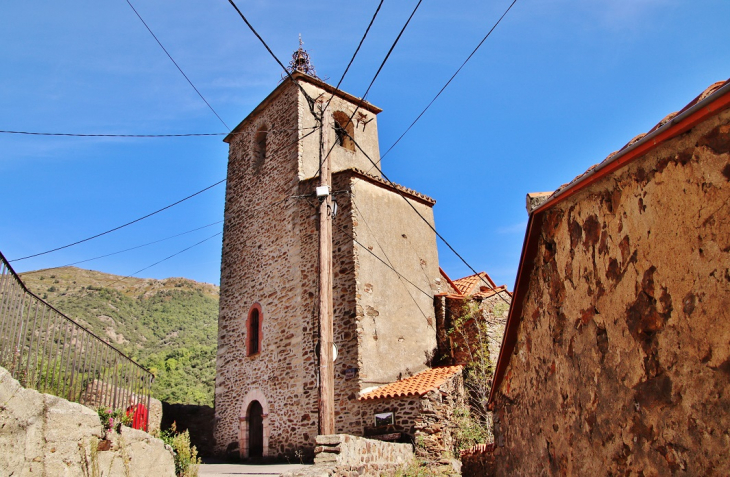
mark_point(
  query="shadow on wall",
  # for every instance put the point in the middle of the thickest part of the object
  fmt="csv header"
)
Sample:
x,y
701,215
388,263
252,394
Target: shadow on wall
x,y
197,420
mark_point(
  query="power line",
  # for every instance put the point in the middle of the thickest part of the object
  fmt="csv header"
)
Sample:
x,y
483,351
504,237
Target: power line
x,y
121,226
489,285
141,246
447,83
164,259
309,99
382,64
337,88
176,65
33,133
155,212
110,135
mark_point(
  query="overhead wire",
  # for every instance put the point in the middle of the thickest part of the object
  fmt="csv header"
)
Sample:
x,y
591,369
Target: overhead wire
x,y
164,259
140,246
385,254
176,65
362,40
309,99
489,285
380,68
151,213
447,83
34,133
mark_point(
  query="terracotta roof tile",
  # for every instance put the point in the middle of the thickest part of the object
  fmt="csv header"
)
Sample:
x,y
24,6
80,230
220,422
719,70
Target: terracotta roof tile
x,y
472,284
417,385
666,120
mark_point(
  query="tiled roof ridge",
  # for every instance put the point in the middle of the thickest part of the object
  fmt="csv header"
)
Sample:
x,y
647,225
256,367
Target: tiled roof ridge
x,y
465,284
666,120
416,385
388,183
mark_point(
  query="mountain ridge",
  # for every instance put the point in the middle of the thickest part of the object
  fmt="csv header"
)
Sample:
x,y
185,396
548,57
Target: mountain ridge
x,y
168,326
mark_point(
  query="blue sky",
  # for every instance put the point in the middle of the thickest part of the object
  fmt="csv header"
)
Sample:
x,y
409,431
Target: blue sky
x,y
558,86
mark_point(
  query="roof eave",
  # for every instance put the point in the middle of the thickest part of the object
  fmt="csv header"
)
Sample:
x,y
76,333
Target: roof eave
x,y
684,121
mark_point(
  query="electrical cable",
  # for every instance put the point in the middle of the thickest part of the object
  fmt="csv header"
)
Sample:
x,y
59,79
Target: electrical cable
x,y
447,83
155,212
140,246
164,259
33,133
362,40
382,64
489,285
111,135
176,65
309,99
120,226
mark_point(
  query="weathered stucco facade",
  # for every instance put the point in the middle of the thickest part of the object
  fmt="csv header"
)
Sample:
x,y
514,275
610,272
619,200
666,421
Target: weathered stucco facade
x,y
620,357
384,327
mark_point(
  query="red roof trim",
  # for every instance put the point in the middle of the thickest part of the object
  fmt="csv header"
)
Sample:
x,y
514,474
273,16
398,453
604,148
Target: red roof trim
x,y
713,100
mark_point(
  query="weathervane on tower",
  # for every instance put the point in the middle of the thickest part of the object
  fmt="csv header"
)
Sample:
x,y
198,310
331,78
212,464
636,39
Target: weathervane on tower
x,y
300,61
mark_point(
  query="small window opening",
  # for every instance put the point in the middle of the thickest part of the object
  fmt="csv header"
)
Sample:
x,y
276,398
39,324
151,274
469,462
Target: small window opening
x,y
259,147
254,331
344,131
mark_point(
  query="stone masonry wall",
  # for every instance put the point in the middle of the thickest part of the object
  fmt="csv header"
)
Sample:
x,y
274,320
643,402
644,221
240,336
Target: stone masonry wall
x,y
426,421
264,261
44,435
622,361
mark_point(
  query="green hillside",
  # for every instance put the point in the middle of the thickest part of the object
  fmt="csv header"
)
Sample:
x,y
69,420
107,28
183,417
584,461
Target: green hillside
x,y
169,326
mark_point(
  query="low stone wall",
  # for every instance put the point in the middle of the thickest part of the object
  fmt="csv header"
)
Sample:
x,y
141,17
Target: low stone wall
x,y
479,461
342,455
197,420
42,435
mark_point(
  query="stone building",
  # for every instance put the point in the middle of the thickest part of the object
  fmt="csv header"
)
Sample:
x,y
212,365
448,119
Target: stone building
x,y
616,356
385,267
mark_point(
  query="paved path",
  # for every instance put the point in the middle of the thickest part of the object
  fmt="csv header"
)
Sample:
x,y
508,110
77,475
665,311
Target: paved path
x,y
247,470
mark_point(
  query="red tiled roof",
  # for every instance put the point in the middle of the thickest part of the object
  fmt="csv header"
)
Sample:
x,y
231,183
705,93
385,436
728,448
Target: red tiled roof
x,y
417,385
448,280
466,285
666,120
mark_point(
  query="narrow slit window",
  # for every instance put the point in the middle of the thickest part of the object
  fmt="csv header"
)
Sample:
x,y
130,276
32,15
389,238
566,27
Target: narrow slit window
x,y
254,331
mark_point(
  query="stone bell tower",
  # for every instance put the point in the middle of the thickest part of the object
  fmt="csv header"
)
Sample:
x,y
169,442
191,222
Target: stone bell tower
x,y
266,394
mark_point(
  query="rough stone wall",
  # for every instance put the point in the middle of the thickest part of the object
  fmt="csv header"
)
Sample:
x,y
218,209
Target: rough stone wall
x,y
427,421
266,260
460,347
479,461
270,257
44,435
350,456
622,361
435,425
405,411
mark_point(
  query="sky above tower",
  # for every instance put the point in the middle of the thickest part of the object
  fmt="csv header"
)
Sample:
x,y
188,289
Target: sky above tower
x,y
558,86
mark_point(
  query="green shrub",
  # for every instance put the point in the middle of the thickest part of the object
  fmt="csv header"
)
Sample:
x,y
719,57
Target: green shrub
x,y
186,456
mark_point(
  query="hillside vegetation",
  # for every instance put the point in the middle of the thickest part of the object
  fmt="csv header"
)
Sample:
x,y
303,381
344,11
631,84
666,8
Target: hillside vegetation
x,y
169,326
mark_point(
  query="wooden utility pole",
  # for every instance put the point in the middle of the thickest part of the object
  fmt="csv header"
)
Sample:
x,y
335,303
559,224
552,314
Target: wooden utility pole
x,y
326,366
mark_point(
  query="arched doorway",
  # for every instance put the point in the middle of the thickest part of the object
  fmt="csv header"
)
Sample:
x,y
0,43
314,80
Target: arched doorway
x,y
254,425
255,429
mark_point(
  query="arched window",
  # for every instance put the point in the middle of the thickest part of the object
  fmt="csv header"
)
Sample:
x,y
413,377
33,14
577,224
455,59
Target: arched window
x,y
253,329
259,147
344,131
